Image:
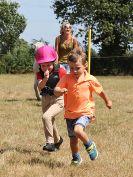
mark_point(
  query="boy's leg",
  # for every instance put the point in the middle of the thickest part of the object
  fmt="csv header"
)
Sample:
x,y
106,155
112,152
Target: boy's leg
x,y
76,159
90,146
74,145
80,133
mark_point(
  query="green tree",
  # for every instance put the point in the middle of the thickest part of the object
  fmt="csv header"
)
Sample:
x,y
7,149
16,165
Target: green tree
x,y
19,60
12,24
111,22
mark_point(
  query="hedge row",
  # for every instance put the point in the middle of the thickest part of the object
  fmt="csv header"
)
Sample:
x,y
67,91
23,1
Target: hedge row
x,y
19,63
112,66
99,66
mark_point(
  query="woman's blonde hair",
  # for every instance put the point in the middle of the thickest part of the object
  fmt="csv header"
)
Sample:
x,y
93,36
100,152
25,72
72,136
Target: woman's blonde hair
x,y
63,25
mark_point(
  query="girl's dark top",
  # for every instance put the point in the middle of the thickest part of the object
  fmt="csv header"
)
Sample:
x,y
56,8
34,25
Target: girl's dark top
x,y
56,74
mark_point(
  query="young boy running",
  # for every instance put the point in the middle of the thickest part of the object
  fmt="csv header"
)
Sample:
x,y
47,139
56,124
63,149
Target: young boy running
x,y
77,88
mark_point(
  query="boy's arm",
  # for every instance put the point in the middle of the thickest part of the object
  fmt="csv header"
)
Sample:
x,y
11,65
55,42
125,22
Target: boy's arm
x,y
105,97
59,91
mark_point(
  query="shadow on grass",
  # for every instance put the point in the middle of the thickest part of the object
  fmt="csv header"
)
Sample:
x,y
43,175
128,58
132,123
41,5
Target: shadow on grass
x,y
10,100
23,151
31,99
15,99
131,111
51,163
34,101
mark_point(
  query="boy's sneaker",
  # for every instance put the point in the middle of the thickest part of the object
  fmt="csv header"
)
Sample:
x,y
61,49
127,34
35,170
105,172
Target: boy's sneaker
x,y
92,151
76,162
57,145
49,147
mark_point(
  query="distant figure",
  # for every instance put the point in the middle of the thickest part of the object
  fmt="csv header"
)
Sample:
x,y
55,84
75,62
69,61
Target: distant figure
x,y
48,76
35,70
64,43
77,88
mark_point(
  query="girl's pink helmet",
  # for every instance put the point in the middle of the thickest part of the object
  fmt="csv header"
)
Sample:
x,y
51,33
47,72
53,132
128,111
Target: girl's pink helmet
x,y
45,54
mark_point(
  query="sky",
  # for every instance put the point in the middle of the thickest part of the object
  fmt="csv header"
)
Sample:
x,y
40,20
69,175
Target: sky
x,y
41,20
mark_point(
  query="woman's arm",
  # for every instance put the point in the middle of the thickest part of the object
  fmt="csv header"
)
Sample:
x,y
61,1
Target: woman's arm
x,y
57,41
75,43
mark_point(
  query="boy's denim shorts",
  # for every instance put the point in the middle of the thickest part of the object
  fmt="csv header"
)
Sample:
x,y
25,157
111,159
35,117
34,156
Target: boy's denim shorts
x,y
83,121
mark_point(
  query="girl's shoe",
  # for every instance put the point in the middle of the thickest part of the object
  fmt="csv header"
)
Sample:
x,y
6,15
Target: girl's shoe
x,y
92,151
49,147
57,145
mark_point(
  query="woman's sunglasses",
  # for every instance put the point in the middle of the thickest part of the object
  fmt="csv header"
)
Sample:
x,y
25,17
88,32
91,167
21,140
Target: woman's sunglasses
x,y
68,27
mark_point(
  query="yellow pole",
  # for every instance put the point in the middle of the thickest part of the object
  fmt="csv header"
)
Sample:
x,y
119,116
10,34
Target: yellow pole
x,y
89,49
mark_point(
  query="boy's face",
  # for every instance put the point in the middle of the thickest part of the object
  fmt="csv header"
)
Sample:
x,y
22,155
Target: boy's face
x,y
76,69
47,66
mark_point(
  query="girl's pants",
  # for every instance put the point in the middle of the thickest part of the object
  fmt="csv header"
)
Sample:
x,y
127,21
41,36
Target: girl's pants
x,y
51,106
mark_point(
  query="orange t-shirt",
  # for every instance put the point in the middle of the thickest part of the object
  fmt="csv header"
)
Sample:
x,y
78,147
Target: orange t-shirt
x,y
78,101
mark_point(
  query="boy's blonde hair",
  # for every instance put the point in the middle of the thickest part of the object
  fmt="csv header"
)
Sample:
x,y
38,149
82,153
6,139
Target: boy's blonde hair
x,y
77,55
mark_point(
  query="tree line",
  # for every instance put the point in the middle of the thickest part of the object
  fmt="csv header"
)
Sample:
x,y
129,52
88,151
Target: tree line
x,y
111,23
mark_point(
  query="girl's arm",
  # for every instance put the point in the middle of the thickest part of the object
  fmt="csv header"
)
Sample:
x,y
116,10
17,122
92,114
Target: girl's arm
x,y
42,83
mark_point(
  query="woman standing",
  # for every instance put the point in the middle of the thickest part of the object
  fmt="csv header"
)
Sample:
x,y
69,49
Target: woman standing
x,y
64,43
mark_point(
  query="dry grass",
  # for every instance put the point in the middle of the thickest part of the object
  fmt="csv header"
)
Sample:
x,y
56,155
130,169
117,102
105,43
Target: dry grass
x,y
21,133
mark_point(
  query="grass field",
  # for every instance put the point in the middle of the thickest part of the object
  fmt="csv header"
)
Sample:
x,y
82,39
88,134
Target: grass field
x,y
21,133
